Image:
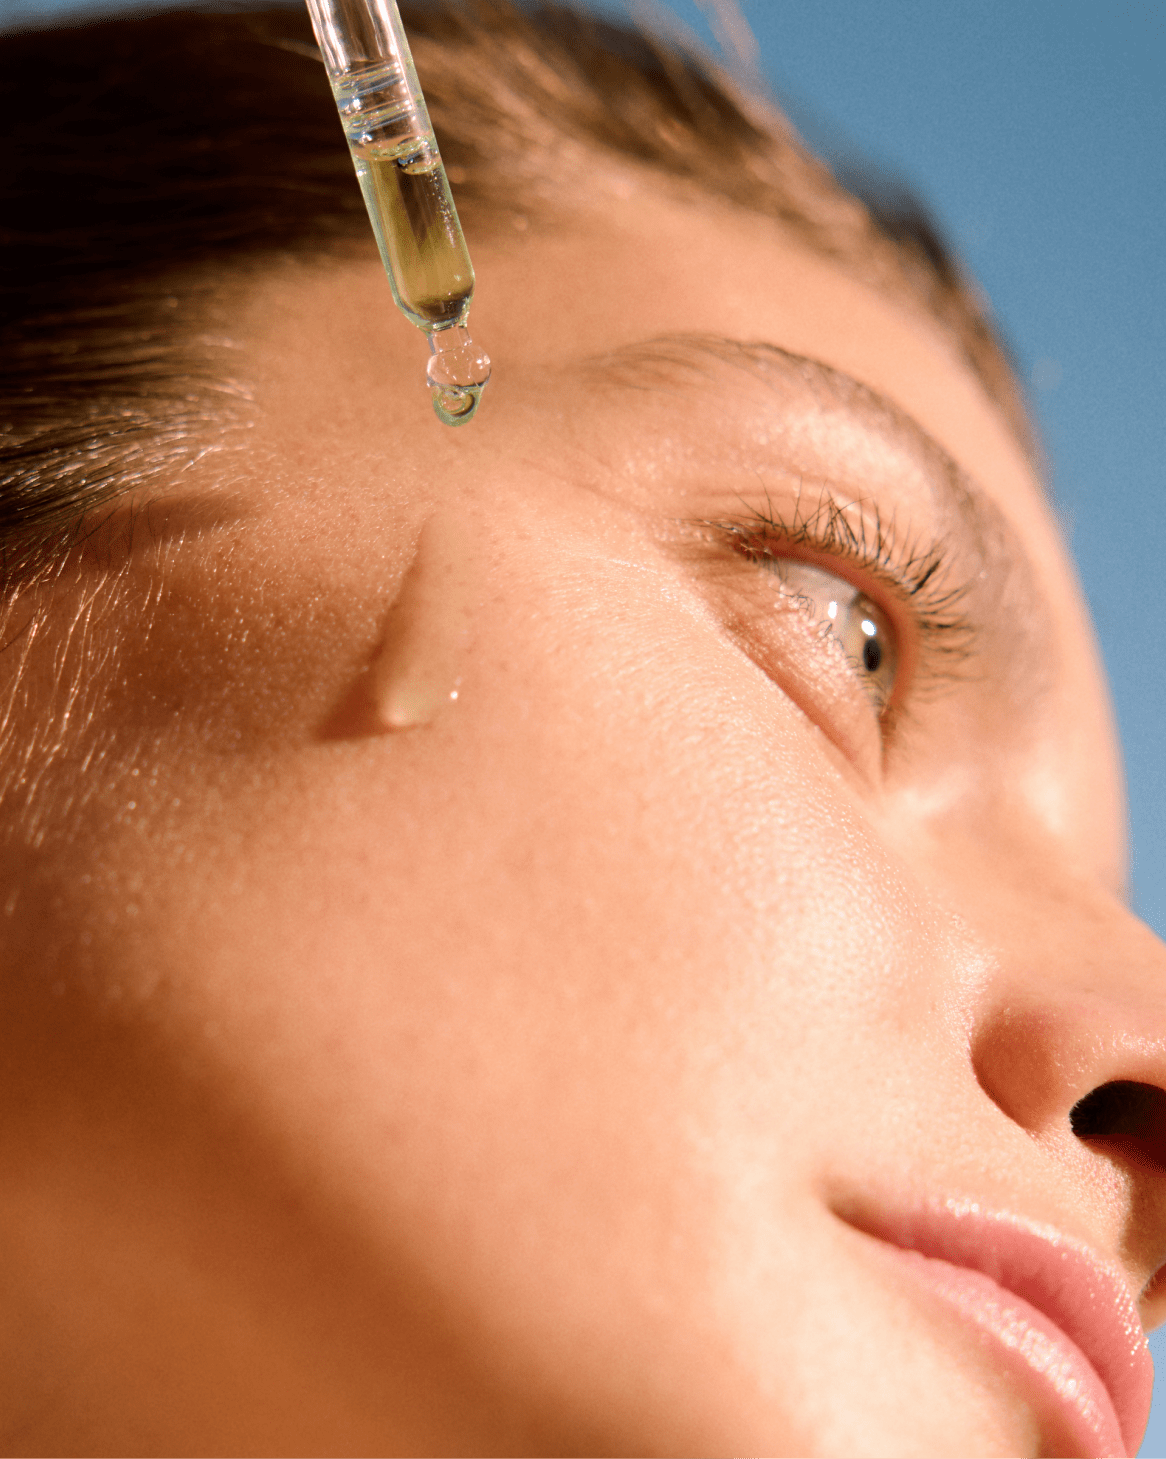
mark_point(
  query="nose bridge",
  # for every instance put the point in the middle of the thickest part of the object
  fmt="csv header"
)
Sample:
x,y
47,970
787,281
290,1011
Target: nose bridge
x,y
1078,1000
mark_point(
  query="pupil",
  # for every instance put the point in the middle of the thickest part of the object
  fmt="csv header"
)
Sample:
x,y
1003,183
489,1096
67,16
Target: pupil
x,y
872,656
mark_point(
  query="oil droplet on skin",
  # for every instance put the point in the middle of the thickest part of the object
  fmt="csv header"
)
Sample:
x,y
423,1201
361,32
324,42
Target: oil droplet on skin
x,y
417,671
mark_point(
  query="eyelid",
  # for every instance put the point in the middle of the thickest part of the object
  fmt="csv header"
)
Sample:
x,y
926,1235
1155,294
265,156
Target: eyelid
x,y
913,580
889,605
834,606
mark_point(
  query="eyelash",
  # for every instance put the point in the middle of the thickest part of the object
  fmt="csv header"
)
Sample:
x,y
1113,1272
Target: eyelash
x,y
908,575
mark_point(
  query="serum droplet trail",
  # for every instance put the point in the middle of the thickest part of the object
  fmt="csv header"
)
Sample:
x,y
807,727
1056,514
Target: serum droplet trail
x,y
418,669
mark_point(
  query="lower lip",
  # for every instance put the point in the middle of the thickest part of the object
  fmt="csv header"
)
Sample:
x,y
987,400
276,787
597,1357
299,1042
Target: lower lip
x,y
1060,1383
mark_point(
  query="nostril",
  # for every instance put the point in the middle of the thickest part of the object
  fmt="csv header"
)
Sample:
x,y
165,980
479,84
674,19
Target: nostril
x,y
1131,1115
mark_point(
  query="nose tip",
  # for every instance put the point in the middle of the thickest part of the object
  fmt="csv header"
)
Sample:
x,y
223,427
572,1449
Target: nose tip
x,y
1087,1070
1094,1062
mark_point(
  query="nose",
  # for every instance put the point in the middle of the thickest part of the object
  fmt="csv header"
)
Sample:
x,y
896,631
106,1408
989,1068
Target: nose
x,y
1069,1041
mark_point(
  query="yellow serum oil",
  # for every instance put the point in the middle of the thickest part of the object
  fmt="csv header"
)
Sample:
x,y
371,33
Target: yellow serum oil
x,y
408,198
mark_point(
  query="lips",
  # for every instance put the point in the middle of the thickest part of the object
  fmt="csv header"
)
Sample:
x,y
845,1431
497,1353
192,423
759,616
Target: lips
x,y
1064,1319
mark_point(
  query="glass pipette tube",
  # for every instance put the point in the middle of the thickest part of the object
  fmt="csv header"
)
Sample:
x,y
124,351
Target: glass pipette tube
x,y
406,191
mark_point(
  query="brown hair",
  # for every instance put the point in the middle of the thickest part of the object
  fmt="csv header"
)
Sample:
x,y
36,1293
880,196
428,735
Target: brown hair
x,y
146,155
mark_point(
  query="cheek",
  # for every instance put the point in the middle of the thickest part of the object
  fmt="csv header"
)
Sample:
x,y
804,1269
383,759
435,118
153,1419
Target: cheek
x,y
532,995
639,858
604,893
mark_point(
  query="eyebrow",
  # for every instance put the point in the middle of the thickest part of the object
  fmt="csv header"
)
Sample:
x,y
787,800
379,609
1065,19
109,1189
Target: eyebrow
x,y
661,362
1003,577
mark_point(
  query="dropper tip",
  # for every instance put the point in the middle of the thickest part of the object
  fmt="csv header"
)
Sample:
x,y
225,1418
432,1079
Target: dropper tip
x,y
457,374
455,405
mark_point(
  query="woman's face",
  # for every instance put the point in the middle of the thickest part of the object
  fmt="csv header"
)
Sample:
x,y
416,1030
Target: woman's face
x,y
496,966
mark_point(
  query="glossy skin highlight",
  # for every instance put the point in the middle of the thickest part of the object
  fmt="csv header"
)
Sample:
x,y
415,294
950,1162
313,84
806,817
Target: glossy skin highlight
x,y
549,1076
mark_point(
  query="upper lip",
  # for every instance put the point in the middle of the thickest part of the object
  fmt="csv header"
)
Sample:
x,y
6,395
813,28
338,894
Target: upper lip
x,y
1085,1296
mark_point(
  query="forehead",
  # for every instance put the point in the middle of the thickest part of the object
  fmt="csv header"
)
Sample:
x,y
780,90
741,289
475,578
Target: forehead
x,y
633,262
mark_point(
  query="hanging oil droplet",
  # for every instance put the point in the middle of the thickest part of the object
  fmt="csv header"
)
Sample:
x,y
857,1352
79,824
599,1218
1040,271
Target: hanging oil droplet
x,y
418,670
457,373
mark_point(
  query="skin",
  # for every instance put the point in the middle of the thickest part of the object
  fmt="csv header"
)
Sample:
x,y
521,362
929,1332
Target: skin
x,y
509,1082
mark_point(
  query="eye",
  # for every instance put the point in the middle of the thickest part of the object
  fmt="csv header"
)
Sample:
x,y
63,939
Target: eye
x,y
846,614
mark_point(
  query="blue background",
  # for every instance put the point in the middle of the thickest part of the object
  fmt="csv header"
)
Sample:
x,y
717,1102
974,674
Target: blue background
x,y
1037,131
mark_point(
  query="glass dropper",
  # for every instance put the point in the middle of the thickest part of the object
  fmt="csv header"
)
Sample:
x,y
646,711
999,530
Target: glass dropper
x,y
406,191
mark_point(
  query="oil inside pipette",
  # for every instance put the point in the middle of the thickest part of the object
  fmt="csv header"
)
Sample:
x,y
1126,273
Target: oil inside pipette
x,y
406,190
417,230
411,208
428,264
